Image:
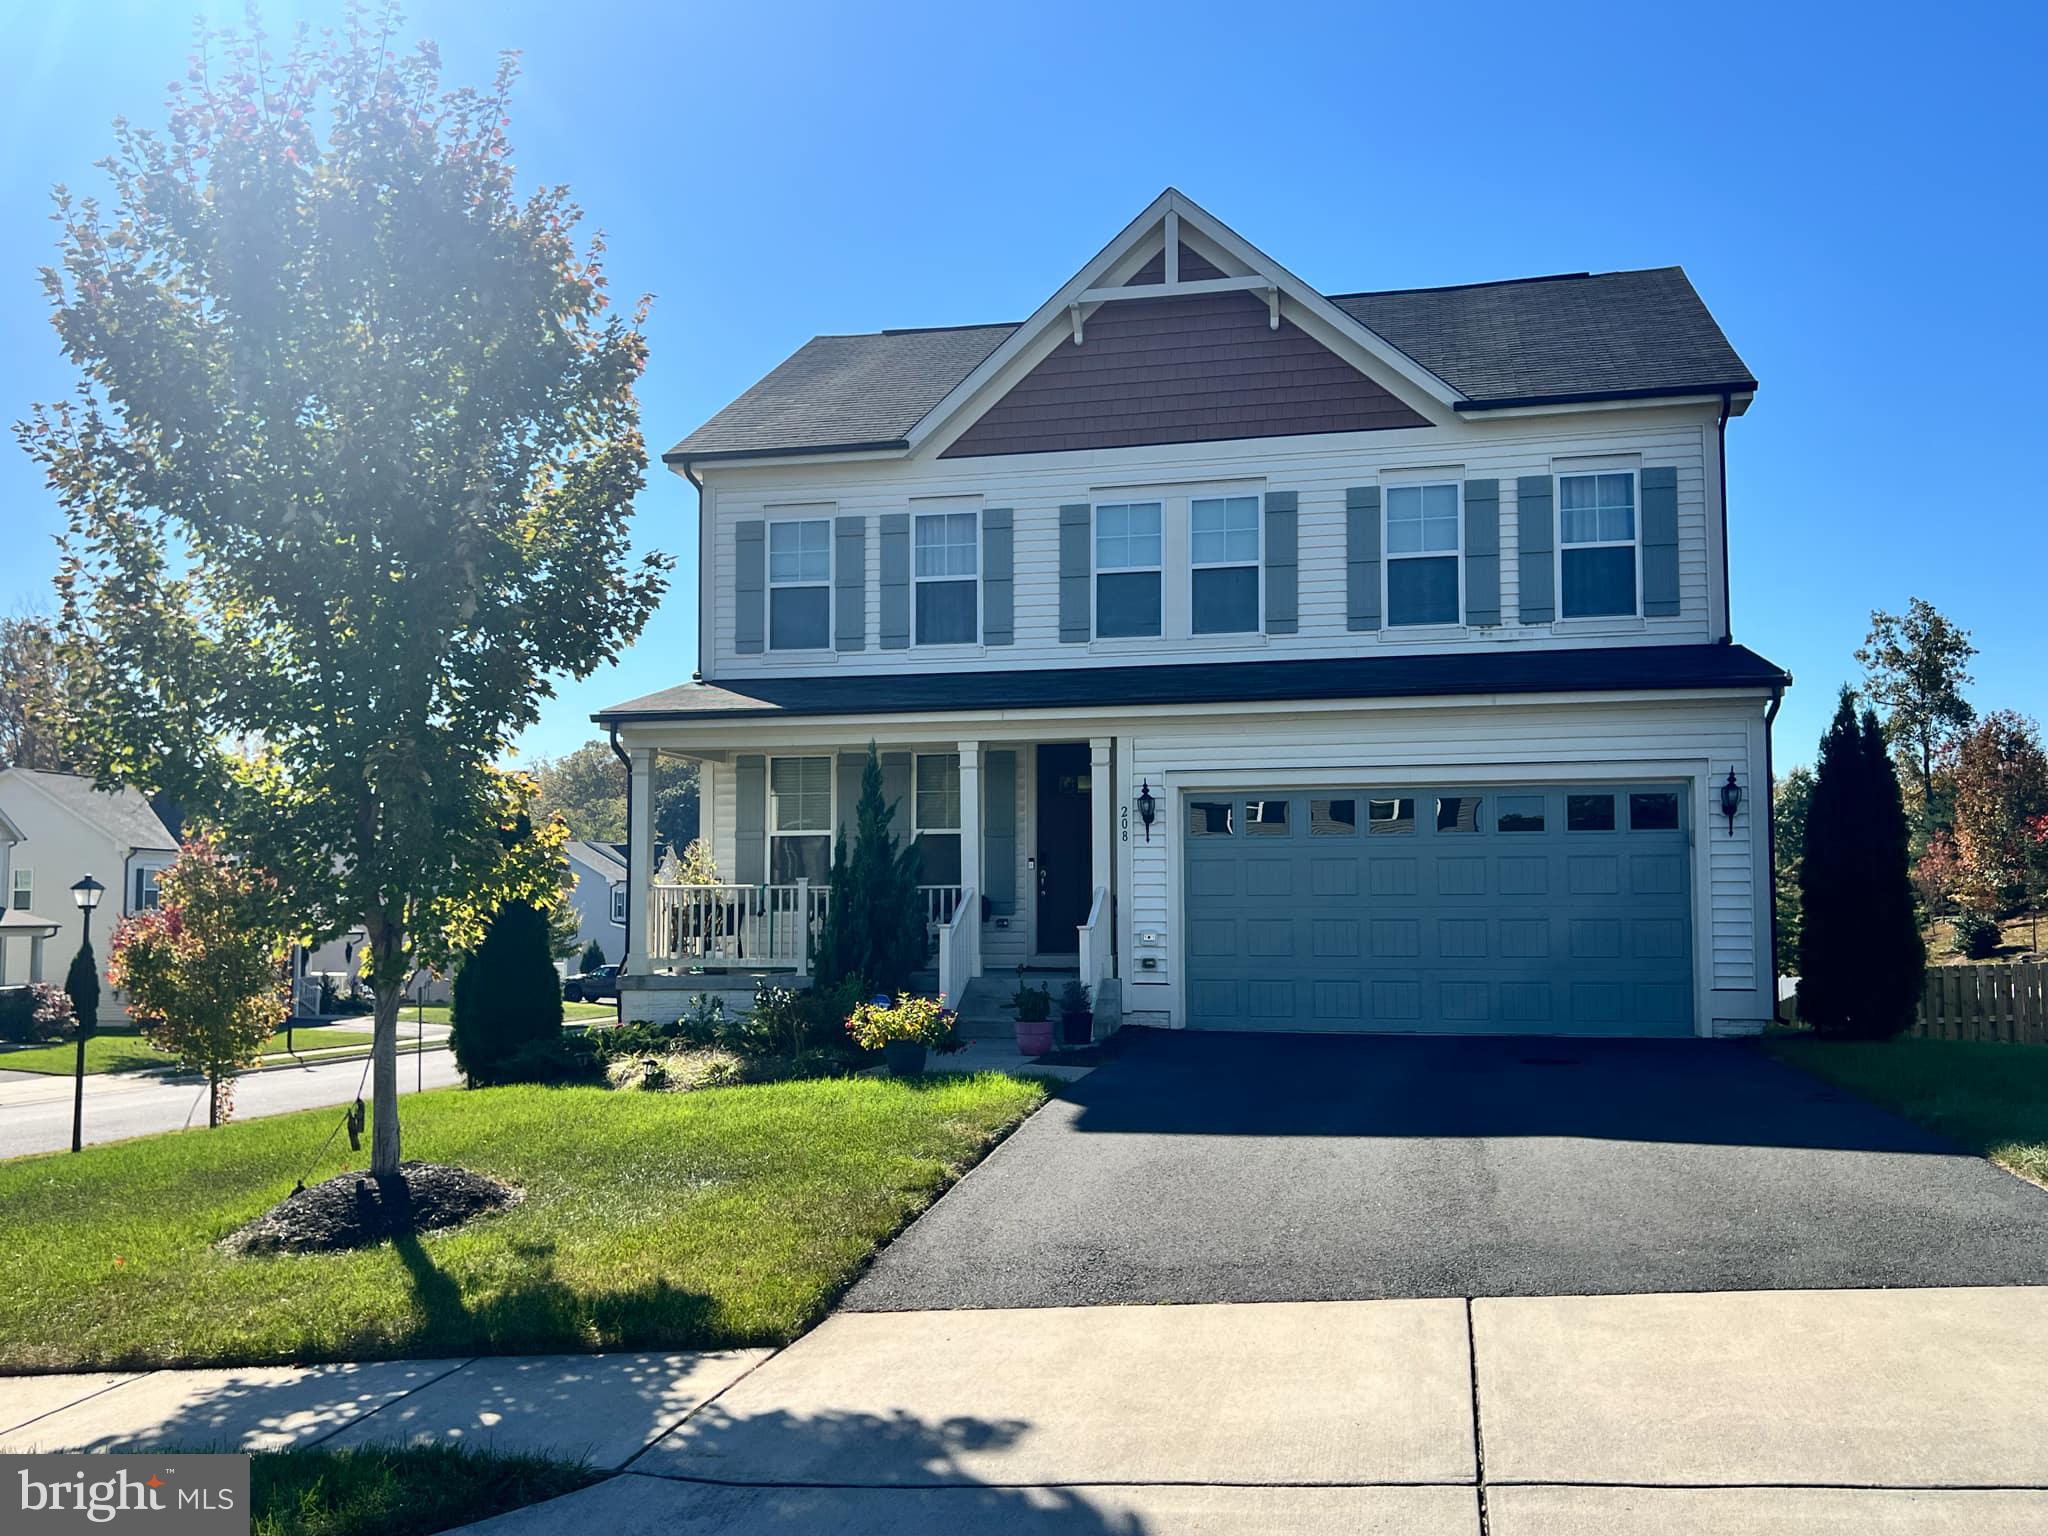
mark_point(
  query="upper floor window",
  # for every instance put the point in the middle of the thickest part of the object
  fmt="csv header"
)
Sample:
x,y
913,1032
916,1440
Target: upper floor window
x,y
1422,554
799,819
146,894
24,889
1128,557
946,567
1223,549
1596,537
619,904
800,584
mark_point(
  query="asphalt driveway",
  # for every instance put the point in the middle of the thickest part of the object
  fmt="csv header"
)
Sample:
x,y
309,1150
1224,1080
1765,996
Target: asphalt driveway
x,y
1214,1167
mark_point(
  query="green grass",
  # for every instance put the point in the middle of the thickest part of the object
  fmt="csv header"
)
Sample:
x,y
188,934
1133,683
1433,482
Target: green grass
x,y
571,1012
725,1217
1991,1098
125,1050
383,1491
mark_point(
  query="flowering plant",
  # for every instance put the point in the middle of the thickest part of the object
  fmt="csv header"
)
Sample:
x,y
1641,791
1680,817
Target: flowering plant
x,y
916,1020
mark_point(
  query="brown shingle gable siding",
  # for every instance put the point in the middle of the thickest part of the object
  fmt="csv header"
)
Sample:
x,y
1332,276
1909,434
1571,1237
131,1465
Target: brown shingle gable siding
x,y
1182,371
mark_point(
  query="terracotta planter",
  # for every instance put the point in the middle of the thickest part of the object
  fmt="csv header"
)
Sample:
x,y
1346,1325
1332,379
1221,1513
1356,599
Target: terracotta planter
x,y
1034,1036
904,1058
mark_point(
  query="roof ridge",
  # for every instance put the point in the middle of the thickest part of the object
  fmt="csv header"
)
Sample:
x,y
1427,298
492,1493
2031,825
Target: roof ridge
x,y
1504,282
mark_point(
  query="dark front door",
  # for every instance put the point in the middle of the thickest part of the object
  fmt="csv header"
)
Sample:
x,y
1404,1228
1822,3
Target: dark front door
x,y
1064,857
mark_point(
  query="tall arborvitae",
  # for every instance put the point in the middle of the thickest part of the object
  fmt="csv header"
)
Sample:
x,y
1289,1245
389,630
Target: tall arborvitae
x,y
1860,953
874,928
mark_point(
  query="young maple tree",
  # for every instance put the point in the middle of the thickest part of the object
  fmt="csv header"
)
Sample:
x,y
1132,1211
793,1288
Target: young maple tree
x,y
204,969
348,475
2001,779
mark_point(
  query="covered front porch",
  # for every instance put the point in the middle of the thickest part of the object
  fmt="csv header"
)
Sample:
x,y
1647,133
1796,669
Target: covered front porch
x,y
1015,837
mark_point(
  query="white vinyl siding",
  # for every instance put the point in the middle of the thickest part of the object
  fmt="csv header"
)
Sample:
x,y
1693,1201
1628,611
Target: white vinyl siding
x,y
1319,470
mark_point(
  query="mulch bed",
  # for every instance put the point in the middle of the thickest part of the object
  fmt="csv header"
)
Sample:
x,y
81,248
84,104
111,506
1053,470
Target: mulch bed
x,y
355,1210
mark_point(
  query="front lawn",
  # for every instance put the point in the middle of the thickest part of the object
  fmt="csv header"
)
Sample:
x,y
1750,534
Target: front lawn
x,y
572,1013
1992,1098
725,1217
388,1491
124,1050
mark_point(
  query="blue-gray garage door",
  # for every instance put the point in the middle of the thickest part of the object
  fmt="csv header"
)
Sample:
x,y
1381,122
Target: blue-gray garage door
x,y
1542,910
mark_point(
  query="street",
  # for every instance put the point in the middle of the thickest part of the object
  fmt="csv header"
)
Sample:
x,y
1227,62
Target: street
x,y
35,1111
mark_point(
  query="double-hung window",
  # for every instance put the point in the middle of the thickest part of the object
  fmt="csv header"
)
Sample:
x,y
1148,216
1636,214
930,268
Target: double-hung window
x,y
799,819
1223,549
1596,538
1128,557
946,566
619,904
146,894
1422,554
800,584
935,816
24,889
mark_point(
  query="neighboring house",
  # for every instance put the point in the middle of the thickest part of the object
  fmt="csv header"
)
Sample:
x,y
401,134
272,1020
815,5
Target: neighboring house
x,y
21,924
599,896
1278,659
66,830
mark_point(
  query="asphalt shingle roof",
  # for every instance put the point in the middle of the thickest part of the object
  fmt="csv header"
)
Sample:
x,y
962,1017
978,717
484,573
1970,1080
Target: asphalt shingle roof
x,y
124,814
1529,340
1497,670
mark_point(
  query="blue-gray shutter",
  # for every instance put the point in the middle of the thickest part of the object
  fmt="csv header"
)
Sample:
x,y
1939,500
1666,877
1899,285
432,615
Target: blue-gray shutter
x,y
1362,557
750,820
895,581
999,832
1536,534
849,771
1283,577
998,577
1660,542
1482,551
1075,569
850,584
896,793
750,586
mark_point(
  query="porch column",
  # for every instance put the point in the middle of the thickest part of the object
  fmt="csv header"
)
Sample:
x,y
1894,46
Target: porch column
x,y
970,846
639,858
35,957
1101,813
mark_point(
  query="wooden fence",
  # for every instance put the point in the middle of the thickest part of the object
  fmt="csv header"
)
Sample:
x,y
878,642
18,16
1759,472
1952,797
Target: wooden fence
x,y
1985,1002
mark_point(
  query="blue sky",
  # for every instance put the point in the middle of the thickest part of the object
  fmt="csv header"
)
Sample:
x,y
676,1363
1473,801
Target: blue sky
x,y
1856,191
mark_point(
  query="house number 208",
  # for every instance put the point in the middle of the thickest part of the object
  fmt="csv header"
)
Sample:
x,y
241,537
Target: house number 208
x,y
1123,823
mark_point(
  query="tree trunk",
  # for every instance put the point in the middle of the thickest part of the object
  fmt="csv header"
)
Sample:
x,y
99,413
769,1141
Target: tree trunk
x,y
213,1101
384,1078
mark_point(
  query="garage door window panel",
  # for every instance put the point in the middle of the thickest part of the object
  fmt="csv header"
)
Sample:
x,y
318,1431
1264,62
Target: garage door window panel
x,y
1457,813
1423,547
1589,813
1332,818
1212,818
1390,818
1265,818
1653,811
1519,813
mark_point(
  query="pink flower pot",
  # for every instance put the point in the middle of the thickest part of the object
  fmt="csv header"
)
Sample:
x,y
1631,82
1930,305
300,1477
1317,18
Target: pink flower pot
x,y
1034,1036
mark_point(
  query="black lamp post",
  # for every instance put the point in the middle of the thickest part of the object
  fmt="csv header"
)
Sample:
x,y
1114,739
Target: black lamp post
x,y
86,893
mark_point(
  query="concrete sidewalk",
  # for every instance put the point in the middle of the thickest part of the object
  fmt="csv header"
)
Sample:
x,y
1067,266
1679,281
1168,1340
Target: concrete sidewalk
x,y
1835,1411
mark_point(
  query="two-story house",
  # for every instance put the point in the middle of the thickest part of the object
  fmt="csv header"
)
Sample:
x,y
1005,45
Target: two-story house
x,y
1278,660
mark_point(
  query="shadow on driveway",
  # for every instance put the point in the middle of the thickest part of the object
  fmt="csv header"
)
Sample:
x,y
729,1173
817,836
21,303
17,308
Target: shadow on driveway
x,y
1215,1167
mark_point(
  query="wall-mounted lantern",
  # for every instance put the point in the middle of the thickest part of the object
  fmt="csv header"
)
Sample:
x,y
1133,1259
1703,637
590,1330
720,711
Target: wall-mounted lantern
x,y
1148,808
1731,800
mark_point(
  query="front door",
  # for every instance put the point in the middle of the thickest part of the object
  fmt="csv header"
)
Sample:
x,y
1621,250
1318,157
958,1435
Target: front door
x,y
1064,855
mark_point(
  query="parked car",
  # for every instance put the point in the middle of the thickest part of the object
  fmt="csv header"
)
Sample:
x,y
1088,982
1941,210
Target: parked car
x,y
600,985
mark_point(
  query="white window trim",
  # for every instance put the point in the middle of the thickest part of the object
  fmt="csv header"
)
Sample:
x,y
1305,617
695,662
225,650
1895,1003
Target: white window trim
x,y
831,828
1634,545
24,880
1258,566
917,580
618,907
1388,557
1096,571
809,515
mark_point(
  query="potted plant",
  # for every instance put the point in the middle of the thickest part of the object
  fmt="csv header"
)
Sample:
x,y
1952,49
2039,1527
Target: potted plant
x,y
1077,1017
903,1031
1033,1007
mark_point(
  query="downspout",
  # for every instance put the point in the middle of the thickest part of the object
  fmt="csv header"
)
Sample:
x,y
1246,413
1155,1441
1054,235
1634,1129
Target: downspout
x,y
627,763
1721,462
1771,837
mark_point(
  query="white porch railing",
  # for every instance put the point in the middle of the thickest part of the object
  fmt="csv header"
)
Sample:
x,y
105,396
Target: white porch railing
x,y
940,903
959,939
1094,946
758,927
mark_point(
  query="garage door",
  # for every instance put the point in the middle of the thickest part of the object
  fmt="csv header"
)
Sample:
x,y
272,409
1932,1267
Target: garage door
x,y
1546,910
